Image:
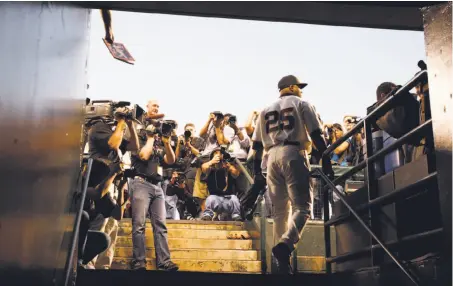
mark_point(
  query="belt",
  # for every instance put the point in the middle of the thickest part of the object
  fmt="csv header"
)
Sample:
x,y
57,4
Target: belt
x,y
286,143
147,179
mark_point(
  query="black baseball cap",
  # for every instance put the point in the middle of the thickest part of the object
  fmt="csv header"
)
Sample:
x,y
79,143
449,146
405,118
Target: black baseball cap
x,y
289,80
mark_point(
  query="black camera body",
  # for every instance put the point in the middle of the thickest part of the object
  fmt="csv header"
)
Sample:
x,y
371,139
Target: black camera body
x,y
232,119
181,179
196,162
187,135
226,156
163,128
166,128
354,120
105,109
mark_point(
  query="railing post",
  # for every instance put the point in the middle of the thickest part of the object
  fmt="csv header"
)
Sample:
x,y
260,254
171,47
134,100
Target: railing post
x,y
263,227
325,199
370,172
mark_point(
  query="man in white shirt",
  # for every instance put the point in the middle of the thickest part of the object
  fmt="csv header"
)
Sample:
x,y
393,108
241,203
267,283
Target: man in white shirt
x,y
238,148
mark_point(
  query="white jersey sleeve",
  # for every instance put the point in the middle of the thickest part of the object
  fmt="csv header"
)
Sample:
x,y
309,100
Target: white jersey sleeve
x,y
310,117
257,134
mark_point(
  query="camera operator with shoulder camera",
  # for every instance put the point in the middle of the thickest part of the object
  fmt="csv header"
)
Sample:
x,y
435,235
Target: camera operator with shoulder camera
x,y
105,148
220,175
147,194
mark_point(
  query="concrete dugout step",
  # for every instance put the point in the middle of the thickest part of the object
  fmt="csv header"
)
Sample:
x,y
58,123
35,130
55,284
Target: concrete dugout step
x,y
312,264
201,254
184,243
197,233
184,224
199,265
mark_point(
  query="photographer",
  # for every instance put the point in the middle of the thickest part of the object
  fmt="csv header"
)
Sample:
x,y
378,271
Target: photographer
x,y
188,147
105,148
171,201
238,148
220,176
355,152
148,197
335,132
212,134
187,207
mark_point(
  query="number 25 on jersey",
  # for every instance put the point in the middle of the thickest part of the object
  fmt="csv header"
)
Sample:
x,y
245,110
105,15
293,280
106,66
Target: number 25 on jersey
x,y
279,121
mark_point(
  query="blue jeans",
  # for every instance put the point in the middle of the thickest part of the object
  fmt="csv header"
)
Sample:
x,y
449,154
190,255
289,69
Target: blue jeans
x,y
170,202
145,198
225,205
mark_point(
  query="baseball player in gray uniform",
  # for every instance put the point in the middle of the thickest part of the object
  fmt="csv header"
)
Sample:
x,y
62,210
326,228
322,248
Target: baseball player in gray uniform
x,y
286,130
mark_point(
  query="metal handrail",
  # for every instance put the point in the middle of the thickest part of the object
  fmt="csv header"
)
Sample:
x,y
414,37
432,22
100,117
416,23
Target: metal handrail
x,y
378,112
367,228
395,145
77,221
385,106
390,244
385,199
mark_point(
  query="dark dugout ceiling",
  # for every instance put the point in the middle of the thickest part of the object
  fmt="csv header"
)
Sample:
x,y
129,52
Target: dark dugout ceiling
x,y
383,15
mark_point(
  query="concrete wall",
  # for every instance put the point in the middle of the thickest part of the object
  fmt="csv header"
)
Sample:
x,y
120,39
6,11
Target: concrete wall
x,y
43,78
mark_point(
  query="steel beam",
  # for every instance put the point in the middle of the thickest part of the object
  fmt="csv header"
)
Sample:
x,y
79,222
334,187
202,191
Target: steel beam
x,y
44,52
398,15
438,44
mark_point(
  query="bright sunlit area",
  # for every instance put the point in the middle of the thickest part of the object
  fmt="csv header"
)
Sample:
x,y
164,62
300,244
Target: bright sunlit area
x,y
195,65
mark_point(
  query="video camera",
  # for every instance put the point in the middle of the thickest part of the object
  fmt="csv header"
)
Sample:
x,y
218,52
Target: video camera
x,y
105,109
163,128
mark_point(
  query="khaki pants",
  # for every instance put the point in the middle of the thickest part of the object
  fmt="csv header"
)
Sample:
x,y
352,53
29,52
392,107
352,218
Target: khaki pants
x,y
200,189
108,226
104,260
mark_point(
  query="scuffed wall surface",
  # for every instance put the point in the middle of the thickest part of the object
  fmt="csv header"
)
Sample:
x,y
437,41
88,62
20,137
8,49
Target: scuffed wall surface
x,y
43,58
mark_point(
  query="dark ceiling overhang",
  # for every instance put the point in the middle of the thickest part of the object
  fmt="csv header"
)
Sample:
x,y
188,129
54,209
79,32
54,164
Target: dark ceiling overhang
x,y
382,15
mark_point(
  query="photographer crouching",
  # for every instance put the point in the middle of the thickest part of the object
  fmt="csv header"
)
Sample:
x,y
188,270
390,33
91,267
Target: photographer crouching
x,y
148,197
107,124
220,175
